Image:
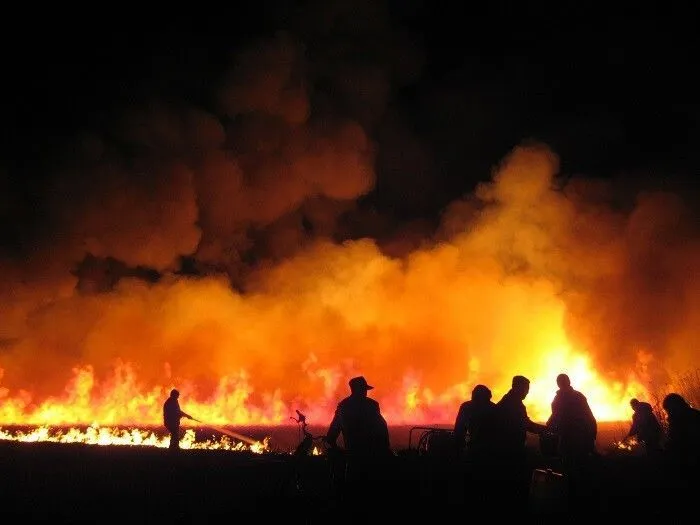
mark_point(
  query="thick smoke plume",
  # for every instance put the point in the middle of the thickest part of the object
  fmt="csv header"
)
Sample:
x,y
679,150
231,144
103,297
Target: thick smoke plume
x,y
209,249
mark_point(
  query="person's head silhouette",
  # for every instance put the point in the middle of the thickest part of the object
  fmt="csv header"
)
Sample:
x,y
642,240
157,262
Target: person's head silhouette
x,y
675,404
359,386
563,381
521,386
481,393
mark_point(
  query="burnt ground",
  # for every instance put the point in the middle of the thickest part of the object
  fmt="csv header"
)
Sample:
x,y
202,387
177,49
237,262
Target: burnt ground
x,y
81,483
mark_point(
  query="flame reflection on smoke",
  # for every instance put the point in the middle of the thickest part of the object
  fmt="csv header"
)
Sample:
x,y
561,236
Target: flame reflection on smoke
x,y
522,278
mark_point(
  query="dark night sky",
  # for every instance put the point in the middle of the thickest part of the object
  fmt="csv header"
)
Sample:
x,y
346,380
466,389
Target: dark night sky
x,y
611,92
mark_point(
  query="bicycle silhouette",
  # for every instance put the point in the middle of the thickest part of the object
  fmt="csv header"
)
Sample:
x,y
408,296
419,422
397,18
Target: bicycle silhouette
x,y
308,443
313,475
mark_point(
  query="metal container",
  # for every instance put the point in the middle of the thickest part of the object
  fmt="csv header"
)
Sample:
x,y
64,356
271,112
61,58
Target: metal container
x,y
548,492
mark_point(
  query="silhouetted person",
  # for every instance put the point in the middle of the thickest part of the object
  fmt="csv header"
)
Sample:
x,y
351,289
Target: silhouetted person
x,y
365,436
572,421
576,428
682,452
513,424
358,418
475,432
683,443
171,418
473,428
513,421
645,427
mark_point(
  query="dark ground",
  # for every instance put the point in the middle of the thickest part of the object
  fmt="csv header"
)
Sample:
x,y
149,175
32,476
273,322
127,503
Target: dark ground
x,y
80,483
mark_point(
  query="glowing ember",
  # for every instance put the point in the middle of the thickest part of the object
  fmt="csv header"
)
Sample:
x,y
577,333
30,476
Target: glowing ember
x,y
626,444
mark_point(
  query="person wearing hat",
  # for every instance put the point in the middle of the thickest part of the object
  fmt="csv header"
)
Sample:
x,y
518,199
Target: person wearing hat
x,y
366,439
171,418
358,418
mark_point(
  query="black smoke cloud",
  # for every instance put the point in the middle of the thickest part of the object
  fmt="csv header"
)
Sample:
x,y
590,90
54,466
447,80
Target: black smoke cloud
x,y
275,157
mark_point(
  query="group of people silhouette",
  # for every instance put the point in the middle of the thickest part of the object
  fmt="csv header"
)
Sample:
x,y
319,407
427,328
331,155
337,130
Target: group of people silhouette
x,y
484,428
491,437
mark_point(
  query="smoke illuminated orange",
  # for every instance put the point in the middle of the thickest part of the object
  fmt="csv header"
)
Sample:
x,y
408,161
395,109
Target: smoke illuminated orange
x,y
522,282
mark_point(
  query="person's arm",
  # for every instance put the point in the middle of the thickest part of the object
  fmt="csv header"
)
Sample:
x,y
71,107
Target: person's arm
x,y
592,422
460,429
334,429
553,421
382,427
535,428
531,426
634,428
182,413
384,432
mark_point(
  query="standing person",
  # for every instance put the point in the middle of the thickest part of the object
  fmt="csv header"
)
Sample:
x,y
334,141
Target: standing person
x,y
576,429
473,427
513,421
474,430
366,438
171,418
513,424
645,427
572,421
358,418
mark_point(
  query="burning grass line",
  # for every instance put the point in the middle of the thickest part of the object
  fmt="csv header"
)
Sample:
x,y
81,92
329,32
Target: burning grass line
x,y
103,436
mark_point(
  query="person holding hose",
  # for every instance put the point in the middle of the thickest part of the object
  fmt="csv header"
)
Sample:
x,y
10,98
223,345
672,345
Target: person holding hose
x,y
172,413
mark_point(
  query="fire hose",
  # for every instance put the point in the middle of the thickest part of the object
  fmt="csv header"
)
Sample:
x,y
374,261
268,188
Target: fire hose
x,y
229,433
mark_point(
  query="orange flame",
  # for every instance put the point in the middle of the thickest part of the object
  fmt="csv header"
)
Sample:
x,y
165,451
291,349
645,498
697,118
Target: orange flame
x,y
84,402
95,435
513,289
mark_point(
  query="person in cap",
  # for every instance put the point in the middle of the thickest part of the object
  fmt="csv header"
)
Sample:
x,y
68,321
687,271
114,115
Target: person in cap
x,y
358,418
172,414
366,446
